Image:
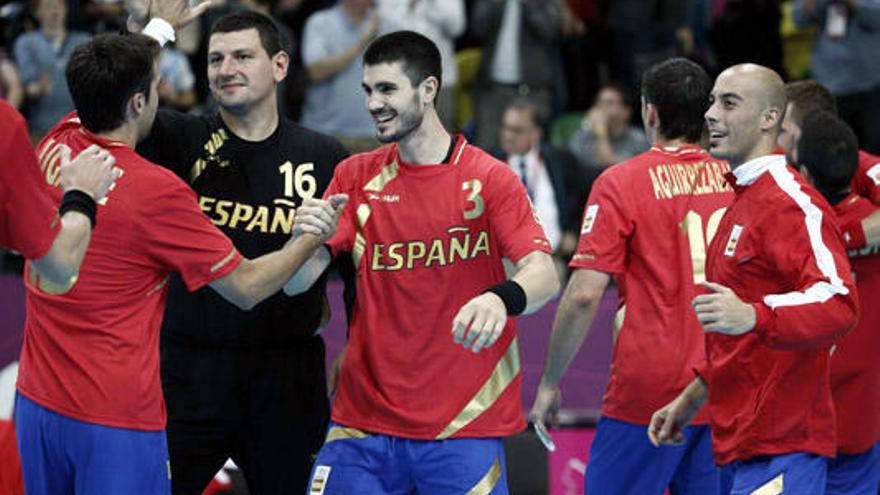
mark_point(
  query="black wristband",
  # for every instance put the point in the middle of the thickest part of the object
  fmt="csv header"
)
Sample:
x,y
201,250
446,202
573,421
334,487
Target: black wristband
x,y
512,294
79,201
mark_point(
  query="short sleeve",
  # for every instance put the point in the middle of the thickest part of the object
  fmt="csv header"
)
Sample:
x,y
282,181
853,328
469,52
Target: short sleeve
x,y
181,238
28,217
605,229
314,43
343,240
513,220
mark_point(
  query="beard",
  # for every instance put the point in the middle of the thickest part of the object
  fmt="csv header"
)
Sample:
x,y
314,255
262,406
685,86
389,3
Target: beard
x,y
408,122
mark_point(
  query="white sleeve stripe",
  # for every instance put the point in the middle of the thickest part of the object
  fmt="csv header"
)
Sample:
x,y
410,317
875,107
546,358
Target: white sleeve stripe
x,y
820,291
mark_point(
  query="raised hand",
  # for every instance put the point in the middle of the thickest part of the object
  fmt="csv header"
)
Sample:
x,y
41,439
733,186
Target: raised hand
x,y
178,13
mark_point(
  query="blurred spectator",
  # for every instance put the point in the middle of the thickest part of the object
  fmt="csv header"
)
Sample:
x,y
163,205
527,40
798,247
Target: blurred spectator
x,y
10,82
333,42
606,137
551,176
747,31
41,57
845,60
521,40
99,16
645,32
441,21
177,88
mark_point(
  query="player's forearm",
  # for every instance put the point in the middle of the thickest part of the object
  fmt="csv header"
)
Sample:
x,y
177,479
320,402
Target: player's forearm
x,y
575,314
695,394
309,273
328,67
68,249
536,274
255,280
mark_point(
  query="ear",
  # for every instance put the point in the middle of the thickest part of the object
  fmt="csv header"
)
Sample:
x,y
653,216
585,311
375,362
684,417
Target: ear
x,y
771,117
280,64
137,103
429,90
652,117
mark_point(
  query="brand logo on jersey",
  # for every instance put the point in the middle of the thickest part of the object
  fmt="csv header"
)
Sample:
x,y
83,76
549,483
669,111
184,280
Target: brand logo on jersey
x,y
730,249
235,215
874,174
461,245
384,198
319,480
589,219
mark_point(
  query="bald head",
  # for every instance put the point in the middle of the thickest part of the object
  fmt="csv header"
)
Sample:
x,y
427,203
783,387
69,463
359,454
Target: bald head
x,y
762,84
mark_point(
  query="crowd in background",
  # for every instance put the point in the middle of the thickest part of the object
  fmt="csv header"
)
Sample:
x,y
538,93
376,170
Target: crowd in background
x,y
550,86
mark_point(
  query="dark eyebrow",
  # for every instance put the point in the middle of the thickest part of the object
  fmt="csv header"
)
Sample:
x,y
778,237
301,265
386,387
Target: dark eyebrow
x,y
731,96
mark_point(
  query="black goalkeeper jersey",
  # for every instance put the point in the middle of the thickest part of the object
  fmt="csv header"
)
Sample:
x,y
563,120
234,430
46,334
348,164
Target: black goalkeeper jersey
x,y
250,191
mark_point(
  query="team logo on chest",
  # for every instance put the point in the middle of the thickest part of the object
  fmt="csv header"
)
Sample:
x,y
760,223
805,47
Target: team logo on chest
x,y
733,240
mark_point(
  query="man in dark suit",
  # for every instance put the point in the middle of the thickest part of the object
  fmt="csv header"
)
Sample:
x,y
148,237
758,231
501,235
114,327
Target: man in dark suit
x,y
552,177
520,40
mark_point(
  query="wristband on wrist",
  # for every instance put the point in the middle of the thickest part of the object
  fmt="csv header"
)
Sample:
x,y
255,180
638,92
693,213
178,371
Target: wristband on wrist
x,y
512,294
76,200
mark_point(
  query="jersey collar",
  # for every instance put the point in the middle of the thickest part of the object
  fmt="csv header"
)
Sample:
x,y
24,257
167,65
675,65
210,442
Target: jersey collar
x,y
752,170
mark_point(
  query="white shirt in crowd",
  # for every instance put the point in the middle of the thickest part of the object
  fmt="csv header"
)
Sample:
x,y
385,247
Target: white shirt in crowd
x,y
540,189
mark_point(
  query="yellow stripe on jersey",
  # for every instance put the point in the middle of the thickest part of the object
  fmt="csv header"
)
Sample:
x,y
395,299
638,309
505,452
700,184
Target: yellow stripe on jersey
x,y
505,371
341,433
487,484
774,487
388,173
360,245
159,286
220,264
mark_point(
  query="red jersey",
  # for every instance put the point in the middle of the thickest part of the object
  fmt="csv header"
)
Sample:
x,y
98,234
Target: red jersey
x,y
647,222
855,369
866,181
778,248
28,221
425,240
91,349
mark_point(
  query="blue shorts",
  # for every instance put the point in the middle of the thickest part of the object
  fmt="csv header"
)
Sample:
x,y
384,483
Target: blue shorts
x,y
61,456
352,461
854,474
623,461
796,474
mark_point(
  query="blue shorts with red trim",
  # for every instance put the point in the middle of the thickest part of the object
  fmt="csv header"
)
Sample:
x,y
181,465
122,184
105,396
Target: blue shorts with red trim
x,y
797,473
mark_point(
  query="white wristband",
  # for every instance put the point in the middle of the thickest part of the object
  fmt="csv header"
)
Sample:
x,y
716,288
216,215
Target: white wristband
x,y
160,30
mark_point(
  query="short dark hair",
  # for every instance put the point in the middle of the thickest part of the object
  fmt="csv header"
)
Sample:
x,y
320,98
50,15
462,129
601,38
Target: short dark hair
x,y
104,73
680,90
539,116
625,95
271,38
828,148
809,96
418,54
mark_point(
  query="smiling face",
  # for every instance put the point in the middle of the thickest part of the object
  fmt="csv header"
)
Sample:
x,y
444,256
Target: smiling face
x,y
733,118
240,72
397,106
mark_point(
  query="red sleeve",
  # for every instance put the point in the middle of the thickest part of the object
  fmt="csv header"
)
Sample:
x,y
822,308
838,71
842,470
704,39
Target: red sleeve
x,y
343,240
821,306
513,220
27,220
182,238
866,182
605,230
